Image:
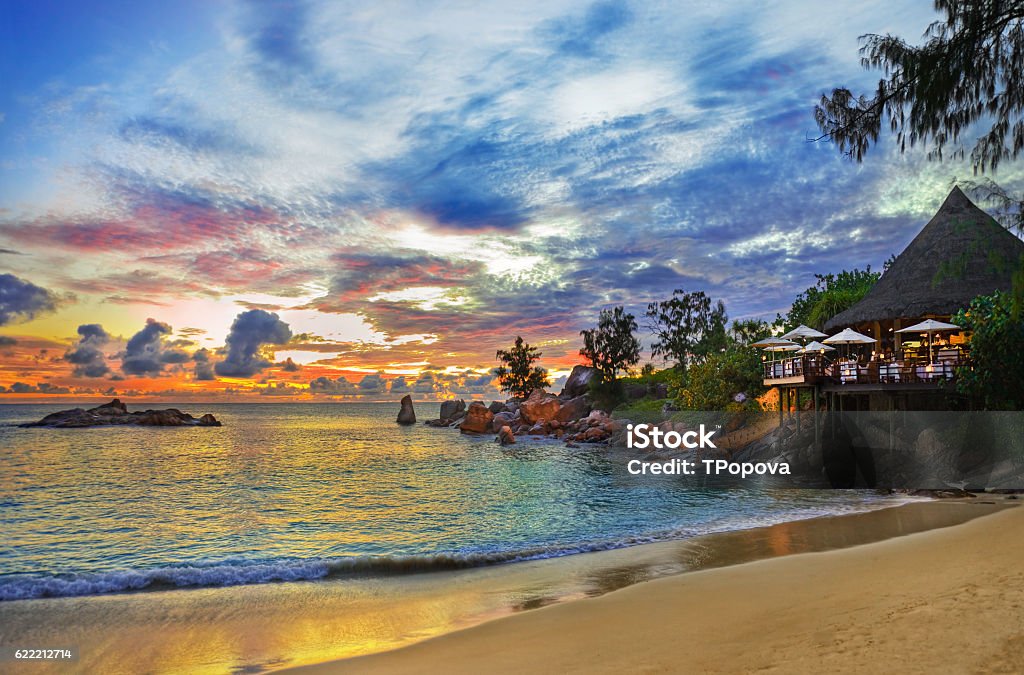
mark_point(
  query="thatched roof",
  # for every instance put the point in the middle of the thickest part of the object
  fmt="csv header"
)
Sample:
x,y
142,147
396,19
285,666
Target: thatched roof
x,y
961,253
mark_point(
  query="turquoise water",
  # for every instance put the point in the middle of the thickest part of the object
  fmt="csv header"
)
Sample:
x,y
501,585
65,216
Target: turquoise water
x,y
286,492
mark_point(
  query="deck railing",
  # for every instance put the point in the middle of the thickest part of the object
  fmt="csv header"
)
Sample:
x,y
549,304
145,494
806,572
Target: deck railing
x,y
810,367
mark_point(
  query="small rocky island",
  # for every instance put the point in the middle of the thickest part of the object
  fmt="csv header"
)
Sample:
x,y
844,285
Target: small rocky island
x,y
116,413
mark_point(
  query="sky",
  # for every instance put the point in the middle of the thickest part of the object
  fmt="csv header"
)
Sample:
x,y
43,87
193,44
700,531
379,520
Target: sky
x,y
332,201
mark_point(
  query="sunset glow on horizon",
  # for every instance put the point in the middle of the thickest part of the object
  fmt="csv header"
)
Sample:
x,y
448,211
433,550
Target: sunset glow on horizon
x,y
322,201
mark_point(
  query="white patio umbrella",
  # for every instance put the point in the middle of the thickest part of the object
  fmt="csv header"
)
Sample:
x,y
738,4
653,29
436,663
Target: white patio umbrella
x,y
804,333
772,342
849,337
816,347
791,347
929,326
775,344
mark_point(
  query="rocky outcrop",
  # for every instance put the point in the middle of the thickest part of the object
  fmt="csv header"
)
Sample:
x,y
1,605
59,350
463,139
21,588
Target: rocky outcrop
x,y
578,382
505,436
573,409
570,418
116,413
504,419
406,415
451,409
539,407
478,419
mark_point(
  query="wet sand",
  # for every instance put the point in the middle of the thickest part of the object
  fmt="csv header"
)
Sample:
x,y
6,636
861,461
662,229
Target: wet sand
x,y
260,628
941,600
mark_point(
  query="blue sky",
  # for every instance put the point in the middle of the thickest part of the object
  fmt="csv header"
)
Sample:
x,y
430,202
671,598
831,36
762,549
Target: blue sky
x,y
407,185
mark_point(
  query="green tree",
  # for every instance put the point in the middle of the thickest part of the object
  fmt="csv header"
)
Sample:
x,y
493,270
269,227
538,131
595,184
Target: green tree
x,y
749,330
687,327
967,72
729,380
995,373
517,374
831,294
611,346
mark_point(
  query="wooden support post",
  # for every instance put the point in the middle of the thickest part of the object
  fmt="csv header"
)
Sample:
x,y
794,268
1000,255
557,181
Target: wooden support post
x,y
780,407
817,425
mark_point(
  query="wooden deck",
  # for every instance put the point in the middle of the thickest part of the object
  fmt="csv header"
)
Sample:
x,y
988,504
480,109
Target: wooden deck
x,y
813,369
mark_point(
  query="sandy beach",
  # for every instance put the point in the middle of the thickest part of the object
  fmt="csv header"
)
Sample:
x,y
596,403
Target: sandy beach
x,y
943,600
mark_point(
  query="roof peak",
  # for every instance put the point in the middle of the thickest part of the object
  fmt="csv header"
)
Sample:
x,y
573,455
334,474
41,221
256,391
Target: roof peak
x,y
956,197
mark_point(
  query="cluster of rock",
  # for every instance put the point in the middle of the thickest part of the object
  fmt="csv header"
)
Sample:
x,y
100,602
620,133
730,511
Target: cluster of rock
x,y
116,413
569,416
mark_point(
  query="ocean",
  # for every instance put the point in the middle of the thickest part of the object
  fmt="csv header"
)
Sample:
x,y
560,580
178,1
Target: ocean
x,y
289,492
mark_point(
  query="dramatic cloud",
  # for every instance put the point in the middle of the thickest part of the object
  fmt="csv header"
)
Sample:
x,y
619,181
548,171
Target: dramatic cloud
x,y
373,384
22,300
87,354
40,388
144,354
7,341
290,366
203,371
421,188
250,331
336,387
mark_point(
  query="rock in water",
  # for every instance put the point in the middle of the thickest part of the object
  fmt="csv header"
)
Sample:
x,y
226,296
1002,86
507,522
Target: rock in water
x,y
450,409
478,419
505,436
539,406
573,409
116,412
407,415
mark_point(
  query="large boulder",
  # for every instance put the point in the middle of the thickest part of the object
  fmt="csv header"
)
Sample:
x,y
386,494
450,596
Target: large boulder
x,y
578,382
502,419
478,419
573,409
208,420
163,418
451,408
635,392
496,407
114,408
406,415
505,436
540,406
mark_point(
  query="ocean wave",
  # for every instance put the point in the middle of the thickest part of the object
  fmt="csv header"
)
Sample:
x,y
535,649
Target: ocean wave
x,y
239,573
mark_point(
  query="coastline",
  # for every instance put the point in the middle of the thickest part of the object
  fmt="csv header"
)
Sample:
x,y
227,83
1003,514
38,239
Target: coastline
x,y
275,626
896,603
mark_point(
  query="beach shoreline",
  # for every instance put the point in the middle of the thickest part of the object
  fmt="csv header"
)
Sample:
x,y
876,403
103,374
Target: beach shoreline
x,y
899,602
339,623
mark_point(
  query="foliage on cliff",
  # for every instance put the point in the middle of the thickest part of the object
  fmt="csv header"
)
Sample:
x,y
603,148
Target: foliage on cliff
x,y
995,373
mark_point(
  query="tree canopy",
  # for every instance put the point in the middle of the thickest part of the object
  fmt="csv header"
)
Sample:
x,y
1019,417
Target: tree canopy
x,y
612,346
969,71
517,374
687,327
995,373
831,294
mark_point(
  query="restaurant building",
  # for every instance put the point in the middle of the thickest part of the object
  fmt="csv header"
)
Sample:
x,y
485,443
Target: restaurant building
x,y
960,254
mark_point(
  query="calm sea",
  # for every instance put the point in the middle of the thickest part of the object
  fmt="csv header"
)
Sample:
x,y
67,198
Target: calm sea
x,y
287,492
